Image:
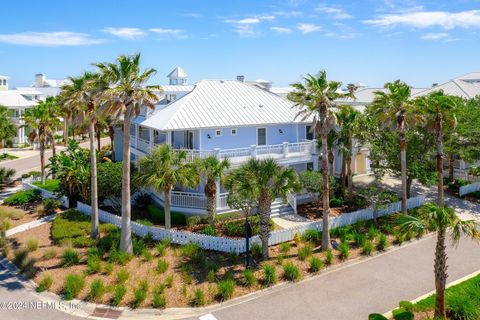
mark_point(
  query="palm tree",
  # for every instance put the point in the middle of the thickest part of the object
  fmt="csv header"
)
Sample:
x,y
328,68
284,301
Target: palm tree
x,y
270,181
83,93
316,100
439,110
440,220
163,169
212,169
6,175
7,127
123,99
393,108
347,119
44,120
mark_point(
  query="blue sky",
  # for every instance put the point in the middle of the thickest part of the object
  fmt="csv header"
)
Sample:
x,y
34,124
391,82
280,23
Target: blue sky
x,y
367,41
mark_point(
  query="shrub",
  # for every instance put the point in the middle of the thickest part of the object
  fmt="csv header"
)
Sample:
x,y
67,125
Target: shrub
x,y
120,257
249,279
147,255
97,290
50,205
166,242
138,246
376,316
316,264
285,247
211,274
161,249
118,294
32,245
407,305
122,276
193,220
297,239
158,300
49,253
140,294
169,281
256,249
269,274
49,185
158,215
209,231
372,233
145,222
399,237
198,297
367,247
70,257
69,225
72,286
234,229
344,249
45,283
11,213
193,252
462,307
329,257
23,197
305,252
358,238
108,268
225,289
93,264
20,255
336,202
312,235
162,266
291,271
402,314
382,242
28,267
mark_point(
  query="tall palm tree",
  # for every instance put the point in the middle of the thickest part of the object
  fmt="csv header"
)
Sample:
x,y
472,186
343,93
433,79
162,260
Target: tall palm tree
x,y
7,127
440,220
347,119
393,108
83,93
271,181
315,98
439,110
212,170
44,120
163,169
124,98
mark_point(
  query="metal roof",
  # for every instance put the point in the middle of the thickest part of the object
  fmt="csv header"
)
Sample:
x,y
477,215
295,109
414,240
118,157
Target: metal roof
x,y
177,73
223,103
454,87
365,96
14,99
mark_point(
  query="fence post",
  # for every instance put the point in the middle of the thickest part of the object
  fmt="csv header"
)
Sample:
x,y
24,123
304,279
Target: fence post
x,y
253,150
285,149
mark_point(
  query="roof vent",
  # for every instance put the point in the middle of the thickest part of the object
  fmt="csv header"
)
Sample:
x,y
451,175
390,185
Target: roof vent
x,y
241,78
435,84
260,105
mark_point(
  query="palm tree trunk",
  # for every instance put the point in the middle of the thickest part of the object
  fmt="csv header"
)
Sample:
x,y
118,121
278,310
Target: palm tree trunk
x,y
98,141
65,131
42,161
343,182
441,275
331,163
349,170
409,186
111,133
211,192
168,218
264,211
440,200
54,153
126,234
403,162
326,190
93,177
451,175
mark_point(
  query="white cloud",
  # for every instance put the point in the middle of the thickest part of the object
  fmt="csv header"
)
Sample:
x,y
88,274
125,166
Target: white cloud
x,y
170,33
336,13
49,39
281,30
308,27
245,27
435,36
425,19
125,33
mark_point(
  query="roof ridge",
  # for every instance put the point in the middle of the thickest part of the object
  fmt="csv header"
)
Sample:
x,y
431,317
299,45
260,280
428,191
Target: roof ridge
x,y
456,81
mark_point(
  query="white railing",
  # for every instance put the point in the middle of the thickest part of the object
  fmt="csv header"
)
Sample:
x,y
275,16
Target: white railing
x,y
28,184
292,201
469,188
238,245
143,145
188,200
223,204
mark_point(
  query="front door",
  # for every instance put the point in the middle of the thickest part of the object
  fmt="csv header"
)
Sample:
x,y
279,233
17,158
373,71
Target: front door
x,y
261,136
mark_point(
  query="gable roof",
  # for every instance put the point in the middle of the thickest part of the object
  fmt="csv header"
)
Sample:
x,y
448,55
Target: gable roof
x,y
15,99
177,73
455,87
223,103
365,95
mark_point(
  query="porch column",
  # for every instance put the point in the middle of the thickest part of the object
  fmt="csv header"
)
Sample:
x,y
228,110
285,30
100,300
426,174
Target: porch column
x,y
150,138
169,138
137,132
315,155
285,149
217,195
253,150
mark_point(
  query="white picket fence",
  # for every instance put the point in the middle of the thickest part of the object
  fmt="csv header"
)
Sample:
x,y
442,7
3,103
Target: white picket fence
x,y
28,184
238,245
469,188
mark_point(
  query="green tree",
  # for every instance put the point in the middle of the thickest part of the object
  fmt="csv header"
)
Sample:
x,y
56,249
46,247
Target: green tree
x,y
439,111
7,127
6,175
393,108
44,121
163,169
315,98
126,94
312,182
212,170
440,220
268,180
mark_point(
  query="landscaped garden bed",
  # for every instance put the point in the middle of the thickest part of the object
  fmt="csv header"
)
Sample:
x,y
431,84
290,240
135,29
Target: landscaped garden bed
x,y
453,188
62,258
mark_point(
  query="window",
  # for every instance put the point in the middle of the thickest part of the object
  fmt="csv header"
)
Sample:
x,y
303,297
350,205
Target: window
x,y
310,166
308,133
234,132
261,136
218,132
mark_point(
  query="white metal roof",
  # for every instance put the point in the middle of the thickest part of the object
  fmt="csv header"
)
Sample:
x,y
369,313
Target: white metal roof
x,y
470,76
14,99
4,77
177,73
223,103
365,96
177,88
454,87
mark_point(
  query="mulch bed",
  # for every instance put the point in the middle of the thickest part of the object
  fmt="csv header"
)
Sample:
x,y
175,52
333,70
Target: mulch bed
x,y
314,211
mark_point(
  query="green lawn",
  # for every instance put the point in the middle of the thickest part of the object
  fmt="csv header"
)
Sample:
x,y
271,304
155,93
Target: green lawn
x,y
49,185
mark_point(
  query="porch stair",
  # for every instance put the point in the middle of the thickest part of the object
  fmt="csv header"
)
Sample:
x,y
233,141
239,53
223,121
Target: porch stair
x,y
280,208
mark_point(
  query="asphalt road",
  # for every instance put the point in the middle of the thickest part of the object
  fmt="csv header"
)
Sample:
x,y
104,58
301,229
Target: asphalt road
x,y
24,165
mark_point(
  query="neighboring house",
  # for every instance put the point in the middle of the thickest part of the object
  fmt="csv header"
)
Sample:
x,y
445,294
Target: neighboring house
x,y
231,119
